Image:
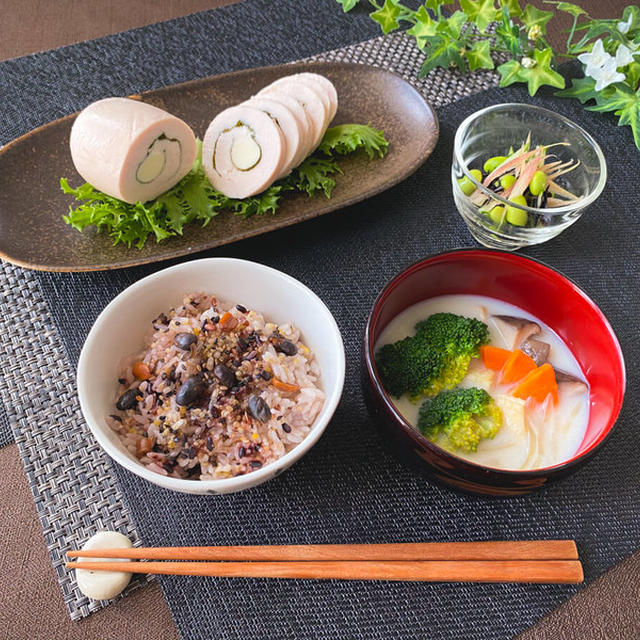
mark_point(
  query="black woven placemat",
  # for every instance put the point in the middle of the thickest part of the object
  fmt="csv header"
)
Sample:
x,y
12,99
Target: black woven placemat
x,y
348,488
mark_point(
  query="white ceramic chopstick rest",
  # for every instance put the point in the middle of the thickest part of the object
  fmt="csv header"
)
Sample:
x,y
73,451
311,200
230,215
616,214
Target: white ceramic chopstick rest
x,y
103,585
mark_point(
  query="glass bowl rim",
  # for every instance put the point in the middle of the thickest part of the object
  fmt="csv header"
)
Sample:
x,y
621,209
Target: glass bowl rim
x,y
555,211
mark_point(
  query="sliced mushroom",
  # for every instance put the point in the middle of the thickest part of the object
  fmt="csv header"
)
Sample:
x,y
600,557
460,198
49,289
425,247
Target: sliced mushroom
x,y
515,331
536,349
569,383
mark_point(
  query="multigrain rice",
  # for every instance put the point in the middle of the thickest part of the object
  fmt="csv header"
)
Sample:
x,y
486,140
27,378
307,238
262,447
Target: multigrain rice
x,y
236,396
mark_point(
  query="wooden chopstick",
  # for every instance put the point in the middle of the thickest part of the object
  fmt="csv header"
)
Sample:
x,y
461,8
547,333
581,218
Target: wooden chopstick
x,y
538,571
446,551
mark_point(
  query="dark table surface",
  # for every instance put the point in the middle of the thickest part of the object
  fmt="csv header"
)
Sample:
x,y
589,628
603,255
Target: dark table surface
x,y
606,609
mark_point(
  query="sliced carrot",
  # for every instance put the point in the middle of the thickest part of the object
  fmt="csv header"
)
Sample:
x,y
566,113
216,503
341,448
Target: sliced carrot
x,y
285,386
538,384
494,357
227,322
141,371
516,367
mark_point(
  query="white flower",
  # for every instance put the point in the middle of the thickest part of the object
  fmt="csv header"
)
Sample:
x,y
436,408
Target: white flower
x,y
527,62
624,56
595,59
623,27
606,75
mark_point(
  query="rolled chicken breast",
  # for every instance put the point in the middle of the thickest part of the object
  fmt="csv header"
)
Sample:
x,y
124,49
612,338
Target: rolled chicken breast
x,y
131,150
309,99
328,87
303,118
243,151
291,130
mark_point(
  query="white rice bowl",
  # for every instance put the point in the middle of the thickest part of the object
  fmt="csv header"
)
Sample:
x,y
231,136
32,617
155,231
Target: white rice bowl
x,y
118,338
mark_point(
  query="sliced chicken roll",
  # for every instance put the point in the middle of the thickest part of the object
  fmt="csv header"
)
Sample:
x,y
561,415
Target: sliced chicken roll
x,y
131,150
309,99
291,129
327,87
303,118
243,151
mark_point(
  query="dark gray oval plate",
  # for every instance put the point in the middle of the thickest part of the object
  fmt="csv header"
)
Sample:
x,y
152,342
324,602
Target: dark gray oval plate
x,y
33,234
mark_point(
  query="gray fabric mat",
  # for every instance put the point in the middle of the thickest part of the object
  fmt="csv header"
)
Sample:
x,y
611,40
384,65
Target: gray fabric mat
x,y
70,477
6,436
348,488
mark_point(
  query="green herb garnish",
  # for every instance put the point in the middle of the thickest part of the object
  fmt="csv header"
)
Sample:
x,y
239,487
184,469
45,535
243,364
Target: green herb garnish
x,y
518,49
194,199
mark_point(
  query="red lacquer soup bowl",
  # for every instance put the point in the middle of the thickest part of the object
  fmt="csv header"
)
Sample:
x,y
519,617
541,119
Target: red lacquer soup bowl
x,y
542,292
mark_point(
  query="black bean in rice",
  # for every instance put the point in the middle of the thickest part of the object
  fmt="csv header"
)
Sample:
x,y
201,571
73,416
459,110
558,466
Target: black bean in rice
x,y
236,420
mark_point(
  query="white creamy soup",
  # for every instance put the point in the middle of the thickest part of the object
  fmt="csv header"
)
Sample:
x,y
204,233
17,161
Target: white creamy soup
x,y
531,436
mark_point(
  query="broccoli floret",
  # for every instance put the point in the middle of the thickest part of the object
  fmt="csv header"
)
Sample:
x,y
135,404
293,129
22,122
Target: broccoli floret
x,y
460,338
408,366
464,416
454,334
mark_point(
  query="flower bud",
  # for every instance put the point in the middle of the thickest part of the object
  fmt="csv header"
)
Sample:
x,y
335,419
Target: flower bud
x,y
527,62
535,32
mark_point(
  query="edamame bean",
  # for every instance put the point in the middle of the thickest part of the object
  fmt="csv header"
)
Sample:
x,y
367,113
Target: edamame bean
x,y
466,185
497,214
507,180
493,163
517,217
538,183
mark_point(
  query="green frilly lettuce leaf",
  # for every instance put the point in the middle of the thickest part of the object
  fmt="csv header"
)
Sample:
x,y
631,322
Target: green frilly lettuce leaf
x,y
193,199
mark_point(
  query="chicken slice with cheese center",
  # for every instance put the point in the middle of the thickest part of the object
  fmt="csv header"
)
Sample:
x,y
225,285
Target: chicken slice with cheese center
x,y
243,151
327,86
291,130
303,118
315,82
131,150
308,98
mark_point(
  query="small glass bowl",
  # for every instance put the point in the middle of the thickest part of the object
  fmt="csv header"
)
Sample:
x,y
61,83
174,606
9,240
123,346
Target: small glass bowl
x,y
490,132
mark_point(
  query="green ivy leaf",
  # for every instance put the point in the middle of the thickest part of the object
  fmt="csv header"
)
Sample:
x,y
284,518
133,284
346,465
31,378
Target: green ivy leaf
x,y
347,5
479,57
533,16
387,16
632,11
633,75
572,9
541,73
582,89
509,35
594,30
424,27
510,72
435,4
453,25
441,51
481,12
512,7
625,103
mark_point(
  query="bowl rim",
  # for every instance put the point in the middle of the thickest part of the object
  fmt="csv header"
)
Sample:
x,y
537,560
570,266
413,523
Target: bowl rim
x,y
582,203
221,485
463,463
